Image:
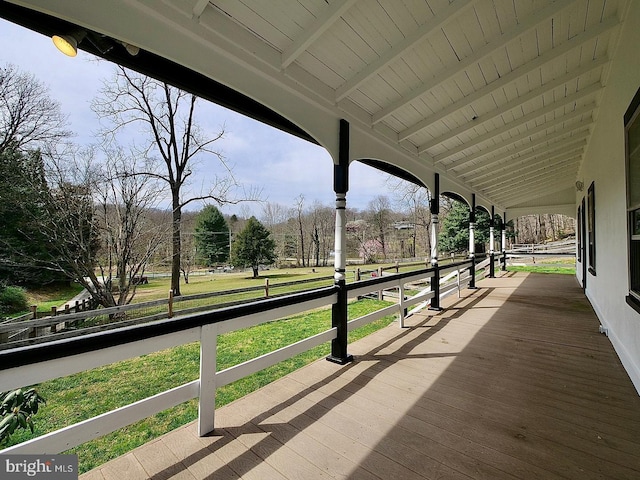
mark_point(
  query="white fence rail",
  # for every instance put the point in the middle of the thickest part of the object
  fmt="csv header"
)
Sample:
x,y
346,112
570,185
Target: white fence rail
x,y
68,356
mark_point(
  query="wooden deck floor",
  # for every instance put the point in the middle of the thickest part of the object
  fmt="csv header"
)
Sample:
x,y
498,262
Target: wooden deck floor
x,y
513,381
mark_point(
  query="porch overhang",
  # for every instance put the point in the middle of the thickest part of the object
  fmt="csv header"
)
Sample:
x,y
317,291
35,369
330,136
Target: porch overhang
x,y
499,99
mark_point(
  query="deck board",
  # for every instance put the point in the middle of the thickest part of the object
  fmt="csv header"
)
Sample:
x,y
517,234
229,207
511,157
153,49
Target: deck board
x,y
511,381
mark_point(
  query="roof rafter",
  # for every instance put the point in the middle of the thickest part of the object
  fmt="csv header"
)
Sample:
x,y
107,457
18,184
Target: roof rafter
x,y
320,25
534,191
519,72
558,143
517,124
556,137
513,104
549,153
488,49
533,167
453,10
538,176
198,8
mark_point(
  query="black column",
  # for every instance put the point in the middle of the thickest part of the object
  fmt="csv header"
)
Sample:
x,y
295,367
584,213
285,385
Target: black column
x,y
504,241
435,279
472,247
492,227
339,309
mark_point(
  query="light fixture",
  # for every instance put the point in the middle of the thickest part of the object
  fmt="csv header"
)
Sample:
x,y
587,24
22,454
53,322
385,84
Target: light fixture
x,y
68,44
131,49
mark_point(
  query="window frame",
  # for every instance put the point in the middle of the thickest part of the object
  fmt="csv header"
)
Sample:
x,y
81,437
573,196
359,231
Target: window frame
x,y
591,228
579,234
631,117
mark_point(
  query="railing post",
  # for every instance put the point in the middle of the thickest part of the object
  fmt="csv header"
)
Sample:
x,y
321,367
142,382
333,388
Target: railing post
x,y
504,241
34,311
472,242
208,366
170,305
266,288
435,279
339,317
492,258
380,292
403,311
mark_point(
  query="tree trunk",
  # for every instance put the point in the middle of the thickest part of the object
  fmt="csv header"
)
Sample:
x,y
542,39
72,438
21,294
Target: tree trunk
x,y
255,272
176,244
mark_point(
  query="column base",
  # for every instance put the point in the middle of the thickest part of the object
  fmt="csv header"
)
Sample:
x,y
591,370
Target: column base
x,y
435,309
340,360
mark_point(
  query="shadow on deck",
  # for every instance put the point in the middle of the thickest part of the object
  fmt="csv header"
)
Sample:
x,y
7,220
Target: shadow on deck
x,y
512,381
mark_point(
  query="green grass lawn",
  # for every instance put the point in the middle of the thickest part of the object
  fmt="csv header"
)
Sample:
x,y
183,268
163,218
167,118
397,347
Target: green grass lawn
x,y
52,295
568,270
87,394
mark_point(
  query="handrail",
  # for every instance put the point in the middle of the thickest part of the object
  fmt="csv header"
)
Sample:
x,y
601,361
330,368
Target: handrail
x,y
21,356
36,363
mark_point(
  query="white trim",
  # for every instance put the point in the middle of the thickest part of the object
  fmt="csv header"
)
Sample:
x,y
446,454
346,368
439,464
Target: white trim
x,y
627,360
95,427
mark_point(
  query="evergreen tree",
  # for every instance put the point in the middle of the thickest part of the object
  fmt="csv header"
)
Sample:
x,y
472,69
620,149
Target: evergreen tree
x,y
212,236
454,229
24,245
253,246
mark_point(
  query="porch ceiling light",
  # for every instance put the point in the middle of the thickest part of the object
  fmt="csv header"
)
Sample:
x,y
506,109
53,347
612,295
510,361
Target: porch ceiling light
x,y
68,44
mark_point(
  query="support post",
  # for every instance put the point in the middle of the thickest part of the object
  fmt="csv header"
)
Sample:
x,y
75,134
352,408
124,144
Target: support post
x,y
492,258
504,242
339,309
472,242
435,279
208,362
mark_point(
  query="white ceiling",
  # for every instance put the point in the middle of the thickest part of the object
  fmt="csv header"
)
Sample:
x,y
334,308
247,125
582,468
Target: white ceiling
x,y
498,96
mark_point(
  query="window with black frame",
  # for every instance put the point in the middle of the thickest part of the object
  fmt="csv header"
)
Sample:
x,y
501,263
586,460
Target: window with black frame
x,y
579,232
591,227
632,139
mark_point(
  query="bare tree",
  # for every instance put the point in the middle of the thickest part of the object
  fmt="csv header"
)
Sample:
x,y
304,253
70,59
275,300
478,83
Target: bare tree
x,y
167,116
29,118
379,217
414,199
274,217
299,209
128,236
97,222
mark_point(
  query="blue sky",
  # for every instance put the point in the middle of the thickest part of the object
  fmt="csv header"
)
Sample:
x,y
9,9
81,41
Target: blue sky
x,y
281,165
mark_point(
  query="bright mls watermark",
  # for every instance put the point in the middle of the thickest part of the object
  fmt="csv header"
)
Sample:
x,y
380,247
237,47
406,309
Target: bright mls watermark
x,y
45,467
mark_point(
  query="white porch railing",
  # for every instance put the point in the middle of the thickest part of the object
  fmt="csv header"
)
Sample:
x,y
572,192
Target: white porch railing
x,y
37,363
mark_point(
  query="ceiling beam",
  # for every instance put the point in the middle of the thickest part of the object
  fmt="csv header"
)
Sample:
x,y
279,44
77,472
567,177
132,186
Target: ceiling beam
x,y
560,181
562,145
198,8
534,167
497,176
513,104
519,72
449,13
485,51
529,132
524,195
519,122
541,176
320,25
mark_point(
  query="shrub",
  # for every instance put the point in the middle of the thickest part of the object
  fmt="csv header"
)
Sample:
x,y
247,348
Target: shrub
x,y
17,409
12,299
